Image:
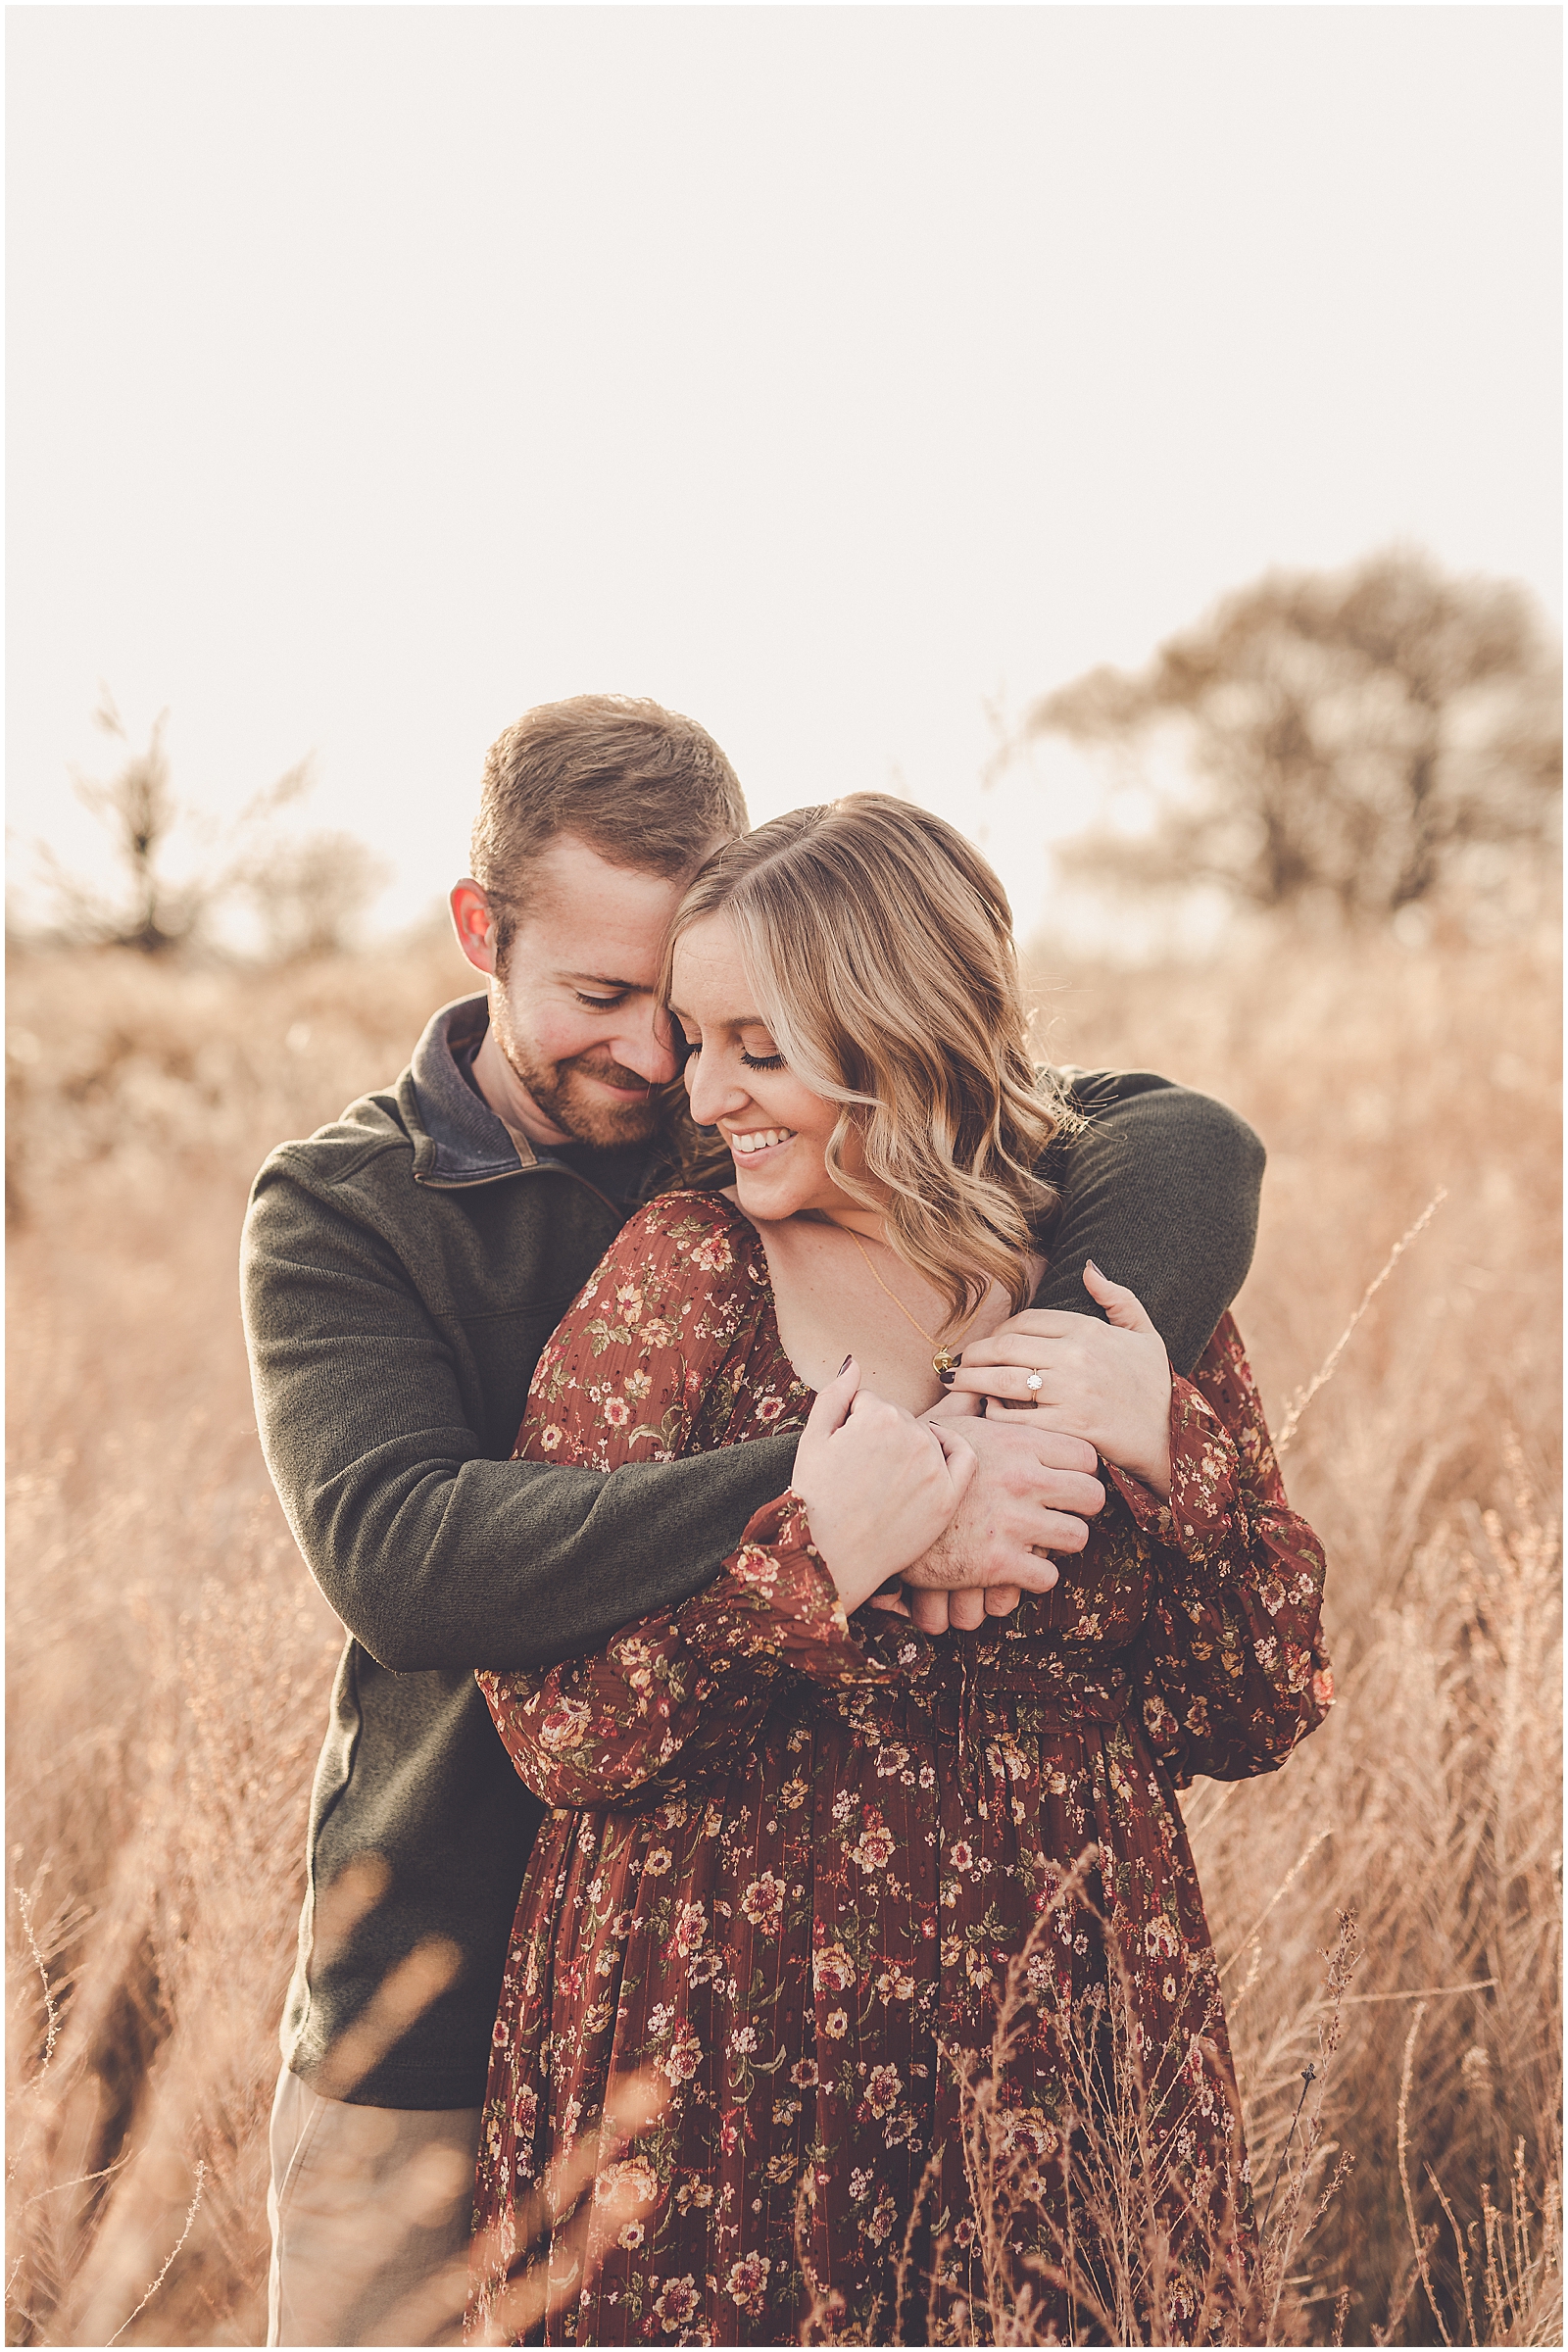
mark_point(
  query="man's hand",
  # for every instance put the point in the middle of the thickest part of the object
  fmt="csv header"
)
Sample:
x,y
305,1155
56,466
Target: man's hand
x,y
1033,1489
1107,1382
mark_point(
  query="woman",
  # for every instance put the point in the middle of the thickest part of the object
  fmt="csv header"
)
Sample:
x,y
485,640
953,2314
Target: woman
x,y
802,1848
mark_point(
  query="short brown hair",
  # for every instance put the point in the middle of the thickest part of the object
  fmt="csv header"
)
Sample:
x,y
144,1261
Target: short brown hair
x,y
640,784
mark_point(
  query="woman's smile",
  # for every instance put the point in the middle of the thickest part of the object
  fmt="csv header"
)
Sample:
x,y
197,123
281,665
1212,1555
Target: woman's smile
x,y
758,1142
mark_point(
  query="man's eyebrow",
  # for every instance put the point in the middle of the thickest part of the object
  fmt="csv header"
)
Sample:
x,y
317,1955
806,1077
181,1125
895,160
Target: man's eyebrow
x,y
638,988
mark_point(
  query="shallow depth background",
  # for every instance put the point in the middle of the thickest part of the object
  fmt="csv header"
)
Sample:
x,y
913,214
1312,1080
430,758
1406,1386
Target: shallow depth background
x,y
169,1661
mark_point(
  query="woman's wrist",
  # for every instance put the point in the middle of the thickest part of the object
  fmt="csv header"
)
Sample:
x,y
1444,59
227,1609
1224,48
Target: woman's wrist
x,y
859,1571
1153,1471
1149,1457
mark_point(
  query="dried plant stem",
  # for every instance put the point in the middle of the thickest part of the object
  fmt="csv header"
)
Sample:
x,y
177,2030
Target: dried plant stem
x,y
1458,2240
1325,1372
1308,2078
1424,1993
51,2011
1342,1959
82,2180
1421,2243
201,2176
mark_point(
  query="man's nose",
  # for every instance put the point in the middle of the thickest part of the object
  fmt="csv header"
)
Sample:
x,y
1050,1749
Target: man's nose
x,y
644,1047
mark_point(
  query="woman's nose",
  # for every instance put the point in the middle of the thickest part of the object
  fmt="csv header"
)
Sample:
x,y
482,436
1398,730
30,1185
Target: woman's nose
x,y
710,1091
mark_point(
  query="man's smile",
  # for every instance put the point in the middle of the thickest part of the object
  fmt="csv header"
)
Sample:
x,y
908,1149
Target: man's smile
x,y
615,1075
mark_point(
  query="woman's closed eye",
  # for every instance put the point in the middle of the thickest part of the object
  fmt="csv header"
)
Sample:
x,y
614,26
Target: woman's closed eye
x,y
688,1048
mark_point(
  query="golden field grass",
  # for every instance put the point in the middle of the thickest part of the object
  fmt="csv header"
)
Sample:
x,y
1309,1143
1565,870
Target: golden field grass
x,y
168,1660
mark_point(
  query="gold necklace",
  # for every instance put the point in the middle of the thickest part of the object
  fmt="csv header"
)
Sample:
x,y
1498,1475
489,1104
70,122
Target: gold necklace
x,y
944,1360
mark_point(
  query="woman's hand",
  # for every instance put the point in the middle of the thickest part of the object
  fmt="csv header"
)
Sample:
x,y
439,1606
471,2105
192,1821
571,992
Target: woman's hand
x,y
1109,1383
879,1487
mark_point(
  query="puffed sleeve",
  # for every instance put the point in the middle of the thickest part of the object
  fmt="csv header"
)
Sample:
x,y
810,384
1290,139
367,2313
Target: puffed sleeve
x,y
673,1700
1231,1671
666,1350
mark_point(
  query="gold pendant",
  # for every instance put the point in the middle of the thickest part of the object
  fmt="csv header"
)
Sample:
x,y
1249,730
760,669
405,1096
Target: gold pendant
x,y
944,1360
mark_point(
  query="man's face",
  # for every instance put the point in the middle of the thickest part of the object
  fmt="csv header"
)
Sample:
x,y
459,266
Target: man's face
x,y
572,1053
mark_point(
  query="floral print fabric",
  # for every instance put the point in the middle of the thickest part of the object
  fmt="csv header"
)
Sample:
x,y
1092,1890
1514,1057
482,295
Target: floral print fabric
x,y
793,1859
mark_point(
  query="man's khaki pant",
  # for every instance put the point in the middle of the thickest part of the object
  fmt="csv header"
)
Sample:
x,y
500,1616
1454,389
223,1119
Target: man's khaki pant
x,y
369,2210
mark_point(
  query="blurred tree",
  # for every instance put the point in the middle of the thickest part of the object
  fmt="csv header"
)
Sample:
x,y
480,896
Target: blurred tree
x,y
309,892
137,806
1354,736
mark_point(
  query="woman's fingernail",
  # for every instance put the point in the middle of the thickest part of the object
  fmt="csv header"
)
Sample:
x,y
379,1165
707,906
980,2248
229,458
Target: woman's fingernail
x,y
947,1378
844,1367
1094,1269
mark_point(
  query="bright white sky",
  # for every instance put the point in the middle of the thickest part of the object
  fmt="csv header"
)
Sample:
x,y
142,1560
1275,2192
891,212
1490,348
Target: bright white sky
x,y
827,372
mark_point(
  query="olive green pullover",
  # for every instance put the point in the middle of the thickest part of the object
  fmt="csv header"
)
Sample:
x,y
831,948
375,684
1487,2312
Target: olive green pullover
x,y
402,1269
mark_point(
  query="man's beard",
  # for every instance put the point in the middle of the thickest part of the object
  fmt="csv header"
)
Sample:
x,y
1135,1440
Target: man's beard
x,y
563,1092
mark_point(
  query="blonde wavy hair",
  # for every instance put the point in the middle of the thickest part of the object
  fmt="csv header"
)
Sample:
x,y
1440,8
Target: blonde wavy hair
x,y
878,946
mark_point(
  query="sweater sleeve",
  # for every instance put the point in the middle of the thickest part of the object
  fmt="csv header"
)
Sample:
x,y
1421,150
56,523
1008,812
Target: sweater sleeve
x,y
434,1554
1161,1189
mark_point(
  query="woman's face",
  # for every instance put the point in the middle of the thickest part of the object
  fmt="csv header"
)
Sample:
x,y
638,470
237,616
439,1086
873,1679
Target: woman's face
x,y
777,1129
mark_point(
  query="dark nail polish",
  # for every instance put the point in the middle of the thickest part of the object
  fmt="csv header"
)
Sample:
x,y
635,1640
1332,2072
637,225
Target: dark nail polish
x,y
844,1367
946,1379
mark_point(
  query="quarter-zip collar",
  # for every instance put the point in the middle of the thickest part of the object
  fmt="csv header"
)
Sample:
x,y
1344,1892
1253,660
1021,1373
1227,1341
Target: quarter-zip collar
x,y
457,1139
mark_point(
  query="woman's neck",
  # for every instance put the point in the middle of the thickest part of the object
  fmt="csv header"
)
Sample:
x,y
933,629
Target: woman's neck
x,y
869,1223
840,1287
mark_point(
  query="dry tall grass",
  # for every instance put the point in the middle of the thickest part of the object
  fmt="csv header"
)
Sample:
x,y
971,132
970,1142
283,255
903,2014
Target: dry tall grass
x,y
169,1662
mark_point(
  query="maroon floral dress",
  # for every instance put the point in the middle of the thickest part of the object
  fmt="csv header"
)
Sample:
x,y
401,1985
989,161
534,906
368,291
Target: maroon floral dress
x,y
796,1863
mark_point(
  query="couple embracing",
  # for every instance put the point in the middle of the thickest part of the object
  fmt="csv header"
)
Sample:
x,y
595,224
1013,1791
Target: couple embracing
x,y
786,1582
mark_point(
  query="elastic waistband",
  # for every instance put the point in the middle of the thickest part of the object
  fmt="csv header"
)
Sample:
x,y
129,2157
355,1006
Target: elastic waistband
x,y
1074,1696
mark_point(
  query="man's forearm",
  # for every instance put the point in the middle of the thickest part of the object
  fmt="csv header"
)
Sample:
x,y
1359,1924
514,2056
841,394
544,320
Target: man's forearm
x,y
434,1554
517,1565
1161,1191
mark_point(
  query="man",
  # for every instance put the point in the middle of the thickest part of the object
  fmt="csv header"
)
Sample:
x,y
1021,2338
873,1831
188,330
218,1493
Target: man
x,y
402,1271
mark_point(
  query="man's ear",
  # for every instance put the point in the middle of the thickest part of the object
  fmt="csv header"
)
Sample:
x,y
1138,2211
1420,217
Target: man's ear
x,y
474,923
